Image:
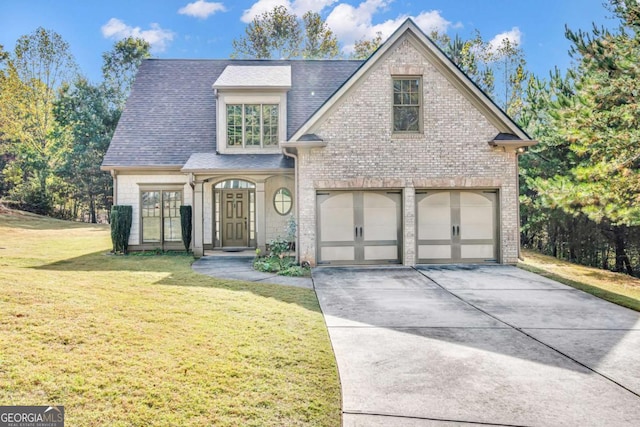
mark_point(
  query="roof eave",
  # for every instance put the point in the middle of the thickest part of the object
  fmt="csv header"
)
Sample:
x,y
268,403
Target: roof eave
x,y
303,144
250,88
218,171
145,168
513,145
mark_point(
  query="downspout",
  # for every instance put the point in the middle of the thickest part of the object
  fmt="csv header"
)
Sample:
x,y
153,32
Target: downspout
x,y
297,181
191,181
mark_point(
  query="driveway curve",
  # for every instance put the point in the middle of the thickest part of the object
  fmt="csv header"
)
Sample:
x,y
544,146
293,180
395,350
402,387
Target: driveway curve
x,y
488,345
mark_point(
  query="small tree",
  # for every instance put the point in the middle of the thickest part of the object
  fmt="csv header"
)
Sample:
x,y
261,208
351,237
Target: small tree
x,y
121,219
186,221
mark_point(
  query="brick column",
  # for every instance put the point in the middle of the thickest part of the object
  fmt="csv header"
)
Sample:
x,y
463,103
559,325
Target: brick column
x,y
409,224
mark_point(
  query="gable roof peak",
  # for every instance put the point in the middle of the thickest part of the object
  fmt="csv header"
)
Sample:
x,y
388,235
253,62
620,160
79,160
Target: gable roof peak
x,y
438,58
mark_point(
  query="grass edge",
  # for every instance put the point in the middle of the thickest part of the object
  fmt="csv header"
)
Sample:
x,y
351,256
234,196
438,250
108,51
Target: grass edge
x,y
604,294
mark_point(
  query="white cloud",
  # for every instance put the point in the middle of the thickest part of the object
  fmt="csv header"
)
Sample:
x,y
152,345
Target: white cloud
x,y
262,6
351,23
201,9
157,37
297,7
514,36
300,7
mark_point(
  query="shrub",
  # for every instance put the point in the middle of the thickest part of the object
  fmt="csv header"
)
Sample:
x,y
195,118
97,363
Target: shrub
x,y
186,221
279,246
121,218
294,271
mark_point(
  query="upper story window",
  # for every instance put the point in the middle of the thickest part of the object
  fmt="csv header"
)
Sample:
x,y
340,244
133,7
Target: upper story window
x,y
251,108
252,125
407,104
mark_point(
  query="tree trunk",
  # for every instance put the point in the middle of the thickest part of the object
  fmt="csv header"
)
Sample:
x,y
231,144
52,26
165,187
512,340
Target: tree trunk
x,y
92,209
623,264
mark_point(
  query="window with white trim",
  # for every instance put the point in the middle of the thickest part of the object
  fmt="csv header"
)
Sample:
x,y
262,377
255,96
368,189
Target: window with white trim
x,y
160,211
407,104
252,125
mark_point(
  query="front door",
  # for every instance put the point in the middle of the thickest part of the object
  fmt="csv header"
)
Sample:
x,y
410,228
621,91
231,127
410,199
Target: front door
x,y
235,218
359,227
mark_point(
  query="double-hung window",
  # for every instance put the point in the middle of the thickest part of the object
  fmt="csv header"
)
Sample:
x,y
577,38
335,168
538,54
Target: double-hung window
x,y
252,125
407,104
161,216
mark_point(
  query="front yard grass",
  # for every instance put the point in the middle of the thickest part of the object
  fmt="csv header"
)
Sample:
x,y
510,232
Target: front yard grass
x,y
133,341
618,288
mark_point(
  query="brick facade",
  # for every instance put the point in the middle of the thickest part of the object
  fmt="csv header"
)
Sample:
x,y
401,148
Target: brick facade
x,y
362,152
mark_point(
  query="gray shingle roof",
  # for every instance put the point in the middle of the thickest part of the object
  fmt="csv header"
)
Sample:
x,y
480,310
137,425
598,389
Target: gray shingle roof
x,y
207,161
171,112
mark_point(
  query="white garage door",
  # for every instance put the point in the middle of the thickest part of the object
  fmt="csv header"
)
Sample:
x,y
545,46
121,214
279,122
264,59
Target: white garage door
x,y
359,227
457,226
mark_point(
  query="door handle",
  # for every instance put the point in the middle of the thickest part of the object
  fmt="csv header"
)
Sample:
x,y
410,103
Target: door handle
x,y
356,231
455,230
361,235
458,230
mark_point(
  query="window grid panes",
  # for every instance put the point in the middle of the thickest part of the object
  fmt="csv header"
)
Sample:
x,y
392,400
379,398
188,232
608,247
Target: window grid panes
x,y
172,201
150,216
270,124
252,215
252,125
234,125
161,216
282,201
406,104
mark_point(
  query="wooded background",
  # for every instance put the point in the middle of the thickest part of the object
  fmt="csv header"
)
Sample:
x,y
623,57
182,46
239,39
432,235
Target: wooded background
x,y
579,186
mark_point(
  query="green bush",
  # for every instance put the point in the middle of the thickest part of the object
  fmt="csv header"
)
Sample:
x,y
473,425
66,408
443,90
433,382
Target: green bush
x,y
279,246
186,221
282,265
294,271
121,218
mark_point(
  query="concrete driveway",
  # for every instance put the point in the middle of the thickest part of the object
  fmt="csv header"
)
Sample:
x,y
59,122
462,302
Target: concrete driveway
x,y
466,345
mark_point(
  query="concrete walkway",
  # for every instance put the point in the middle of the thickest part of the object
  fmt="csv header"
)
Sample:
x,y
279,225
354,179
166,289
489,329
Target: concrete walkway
x,y
496,345
241,268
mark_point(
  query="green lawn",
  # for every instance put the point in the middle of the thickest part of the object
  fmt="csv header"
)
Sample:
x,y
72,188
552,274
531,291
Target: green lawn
x,y
144,341
615,287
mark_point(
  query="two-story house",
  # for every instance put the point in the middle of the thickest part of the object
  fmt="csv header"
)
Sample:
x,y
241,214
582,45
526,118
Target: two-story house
x,y
396,159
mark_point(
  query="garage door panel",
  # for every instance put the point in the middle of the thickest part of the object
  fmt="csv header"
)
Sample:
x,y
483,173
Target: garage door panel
x,y
434,221
337,218
436,252
338,253
379,253
476,216
484,252
380,217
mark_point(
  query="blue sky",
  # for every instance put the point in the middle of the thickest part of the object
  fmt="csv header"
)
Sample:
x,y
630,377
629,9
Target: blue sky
x,y
205,29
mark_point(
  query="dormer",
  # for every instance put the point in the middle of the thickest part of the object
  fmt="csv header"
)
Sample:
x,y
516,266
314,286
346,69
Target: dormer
x,y
252,108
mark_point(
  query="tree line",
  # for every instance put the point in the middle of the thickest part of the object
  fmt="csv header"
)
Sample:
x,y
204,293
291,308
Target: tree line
x,y
579,186
56,125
